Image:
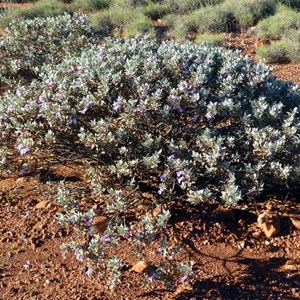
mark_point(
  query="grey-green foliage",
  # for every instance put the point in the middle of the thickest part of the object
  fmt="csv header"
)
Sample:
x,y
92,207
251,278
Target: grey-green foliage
x,y
201,118
31,44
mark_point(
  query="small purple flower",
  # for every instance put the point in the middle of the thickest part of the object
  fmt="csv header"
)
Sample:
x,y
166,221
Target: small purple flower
x,y
250,192
23,171
79,257
183,278
63,253
23,149
126,235
50,83
117,105
89,106
163,177
74,120
208,115
160,250
71,219
41,98
18,132
106,238
195,118
180,176
18,92
160,191
269,153
140,110
101,55
3,161
89,222
89,272
152,277
77,83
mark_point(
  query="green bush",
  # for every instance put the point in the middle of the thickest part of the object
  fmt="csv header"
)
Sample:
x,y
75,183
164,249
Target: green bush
x,y
140,26
90,5
215,39
31,44
292,39
250,12
41,8
275,53
185,6
101,22
155,10
210,19
276,26
291,3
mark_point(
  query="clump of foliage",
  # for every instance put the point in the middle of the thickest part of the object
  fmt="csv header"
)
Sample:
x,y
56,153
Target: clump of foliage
x,y
276,26
250,12
41,8
192,123
91,5
276,52
31,44
214,38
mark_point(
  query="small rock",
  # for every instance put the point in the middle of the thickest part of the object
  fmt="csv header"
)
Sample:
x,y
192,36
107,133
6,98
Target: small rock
x,y
42,204
100,223
140,266
269,223
295,220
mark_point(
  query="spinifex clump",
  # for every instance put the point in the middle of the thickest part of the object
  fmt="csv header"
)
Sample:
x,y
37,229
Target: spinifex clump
x,y
198,119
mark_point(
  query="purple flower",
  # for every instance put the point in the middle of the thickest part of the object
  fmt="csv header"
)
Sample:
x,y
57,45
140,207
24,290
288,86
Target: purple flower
x,y
23,149
249,192
269,153
18,92
126,235
117,105
152,277
71,219
106,238
160,250
79,257
89,222
50,83
183,278
161,190
89,106
208,115
89,272
195,118
180,176
163,177
140,110
74,120
23,171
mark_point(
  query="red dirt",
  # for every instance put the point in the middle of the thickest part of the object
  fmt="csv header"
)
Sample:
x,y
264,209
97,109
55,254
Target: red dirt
x,y
233,259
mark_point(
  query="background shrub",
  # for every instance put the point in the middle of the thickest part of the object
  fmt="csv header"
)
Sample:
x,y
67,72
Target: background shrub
x,y
278,25
215,39
90,5
41,8
30,44
276,52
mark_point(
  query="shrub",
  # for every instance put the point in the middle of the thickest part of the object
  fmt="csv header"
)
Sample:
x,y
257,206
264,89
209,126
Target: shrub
x,y
291,3
249,12
91,5
185,6
201,122
30,44
215,39
101,22
276,26
208,19
275,53
155,10
41,8
140,26
292,39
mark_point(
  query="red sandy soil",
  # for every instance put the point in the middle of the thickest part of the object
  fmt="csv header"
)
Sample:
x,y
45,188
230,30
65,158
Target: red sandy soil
x,y
233,259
